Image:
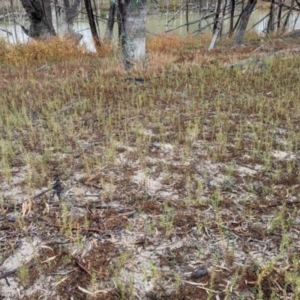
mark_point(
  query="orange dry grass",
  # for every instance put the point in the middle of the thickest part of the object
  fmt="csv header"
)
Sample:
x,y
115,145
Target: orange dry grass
x,y
38,52
171,42
52,51
107,49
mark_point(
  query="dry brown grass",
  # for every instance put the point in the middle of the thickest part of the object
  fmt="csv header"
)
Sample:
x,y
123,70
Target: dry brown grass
x,y
196,165
171,42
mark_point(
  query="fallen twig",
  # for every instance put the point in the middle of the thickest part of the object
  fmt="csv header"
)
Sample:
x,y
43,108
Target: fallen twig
x,y
89,184
82,228
81,265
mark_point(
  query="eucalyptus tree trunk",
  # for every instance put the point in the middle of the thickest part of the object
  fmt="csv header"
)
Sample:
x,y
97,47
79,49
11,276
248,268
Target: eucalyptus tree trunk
x,y
232,10
40,17
271,21
286,21
110,23
244,20
217,15
132,17
218,24
68,13
279,15
90,14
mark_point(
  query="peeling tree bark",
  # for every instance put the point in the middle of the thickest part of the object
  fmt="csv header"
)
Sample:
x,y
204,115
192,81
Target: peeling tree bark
x,y
40,16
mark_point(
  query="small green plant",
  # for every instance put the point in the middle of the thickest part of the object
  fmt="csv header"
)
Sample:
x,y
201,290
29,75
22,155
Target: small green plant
x,y
167,219
23,275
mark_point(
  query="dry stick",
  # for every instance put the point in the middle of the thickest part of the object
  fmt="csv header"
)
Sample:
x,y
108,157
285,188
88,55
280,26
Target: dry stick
x,y
284,25
6,31
90,185
229,11
175,15
199,285
288,6
280,203
82,228
262,20
81,265
190,23
258,22
209,24
194,22
211,15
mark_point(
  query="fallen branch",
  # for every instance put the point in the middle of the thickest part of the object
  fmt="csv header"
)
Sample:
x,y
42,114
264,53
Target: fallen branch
x,y
82,228
89,184
81,265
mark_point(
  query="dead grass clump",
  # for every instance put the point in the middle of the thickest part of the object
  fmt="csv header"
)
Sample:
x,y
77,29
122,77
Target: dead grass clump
x,y
39,52
107,49
171,42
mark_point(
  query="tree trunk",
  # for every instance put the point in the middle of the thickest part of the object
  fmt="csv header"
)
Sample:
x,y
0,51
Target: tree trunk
x,y
245,15
217,15
40,16
132,17
222,18
270,26
286,21
68,13
279,14
219,25
110,23
89,10
231,28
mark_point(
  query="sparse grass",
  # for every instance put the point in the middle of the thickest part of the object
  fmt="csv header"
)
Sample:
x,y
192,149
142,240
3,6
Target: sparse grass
x,y
197,165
